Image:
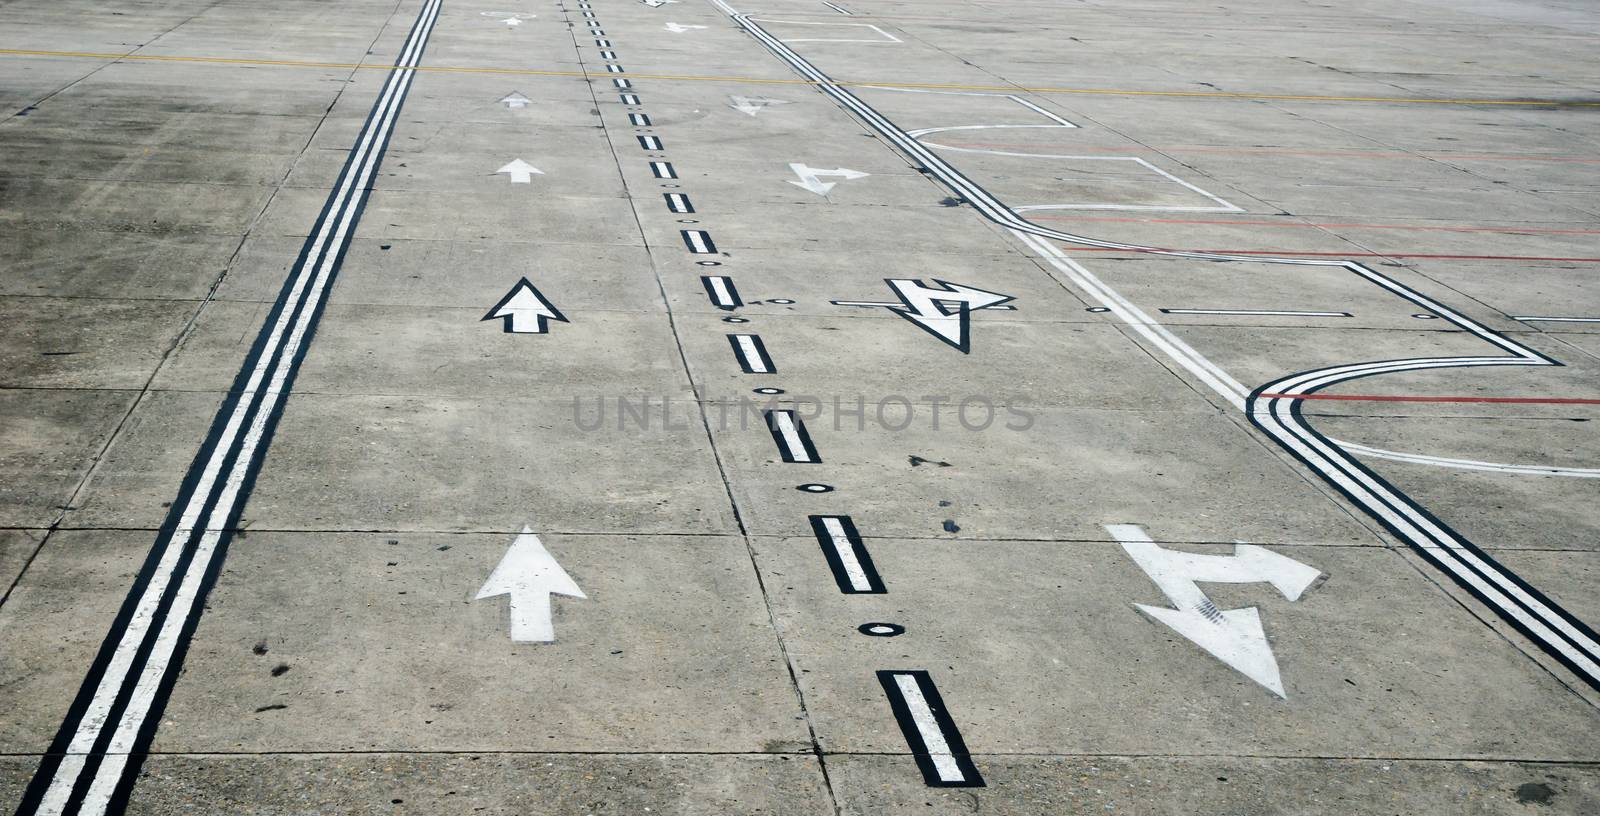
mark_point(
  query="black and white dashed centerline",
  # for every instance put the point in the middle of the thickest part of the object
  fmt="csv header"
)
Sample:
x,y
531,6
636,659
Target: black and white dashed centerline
x,y
751,354
935,741
678,203
847,556
699,242
724,295
789,432
650,143
636,119
92,763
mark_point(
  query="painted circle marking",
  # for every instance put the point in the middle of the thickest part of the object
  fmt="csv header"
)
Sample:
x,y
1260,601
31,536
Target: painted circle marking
x,y
687,221
815,488
1426,316
878,629
670,186
1097,309
735,320
769,391
780,301
708,263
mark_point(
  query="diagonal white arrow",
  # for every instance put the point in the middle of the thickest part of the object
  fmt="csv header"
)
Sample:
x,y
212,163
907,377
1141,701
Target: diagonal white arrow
x,y
1234,636
525,310
520,171
811,177
529,574
752,105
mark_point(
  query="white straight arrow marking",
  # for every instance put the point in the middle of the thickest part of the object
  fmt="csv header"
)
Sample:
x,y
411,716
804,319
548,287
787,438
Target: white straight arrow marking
x,y
529,574
520,171
1233,636
525,310
810,177
679,29
515,100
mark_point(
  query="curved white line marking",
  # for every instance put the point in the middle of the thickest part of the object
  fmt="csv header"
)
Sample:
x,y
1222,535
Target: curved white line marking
x,y
1467,464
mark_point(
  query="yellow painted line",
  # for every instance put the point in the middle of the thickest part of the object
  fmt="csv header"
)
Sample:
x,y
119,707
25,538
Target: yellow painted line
x,y
1543,103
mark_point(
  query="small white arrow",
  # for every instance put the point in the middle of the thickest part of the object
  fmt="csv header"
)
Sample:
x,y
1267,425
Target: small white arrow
x,y
530,575
525,310
515,100
657,3
810,177
1234,636
512,21
520,171
752,105
679,29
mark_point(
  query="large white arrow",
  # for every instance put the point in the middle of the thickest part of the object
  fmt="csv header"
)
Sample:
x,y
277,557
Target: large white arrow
x,y
520,171
525,310
811,177
529,574
1233,636
752,105
679,29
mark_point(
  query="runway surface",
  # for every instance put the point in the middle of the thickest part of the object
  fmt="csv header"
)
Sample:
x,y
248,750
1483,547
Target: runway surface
x,y
813,407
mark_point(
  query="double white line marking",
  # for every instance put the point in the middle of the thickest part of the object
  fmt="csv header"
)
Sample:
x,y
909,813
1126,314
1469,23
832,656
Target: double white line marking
x,y
92,763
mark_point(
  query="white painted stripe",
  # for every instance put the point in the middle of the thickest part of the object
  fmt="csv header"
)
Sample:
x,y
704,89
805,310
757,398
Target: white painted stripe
x,y
1531,319
719,287
622,83
603,43
1255,312
678,202
751,355
610,55
944,762
615,69
119,667
663,170
630,99
791,436
639,120
847,554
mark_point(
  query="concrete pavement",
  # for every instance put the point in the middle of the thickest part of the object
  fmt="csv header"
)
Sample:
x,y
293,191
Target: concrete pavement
x,y
911,408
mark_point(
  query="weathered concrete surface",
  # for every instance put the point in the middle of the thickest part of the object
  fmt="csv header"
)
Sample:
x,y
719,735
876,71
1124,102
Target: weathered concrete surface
x,y
165,164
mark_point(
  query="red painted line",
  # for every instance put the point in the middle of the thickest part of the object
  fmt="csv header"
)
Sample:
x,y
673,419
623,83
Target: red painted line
x,y
1301,225
1403,398
1290,253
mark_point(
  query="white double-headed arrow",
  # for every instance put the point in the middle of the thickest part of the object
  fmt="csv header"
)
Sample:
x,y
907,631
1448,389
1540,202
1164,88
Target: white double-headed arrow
x,y
1233,636
520,171
529,574
525,310
811,177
